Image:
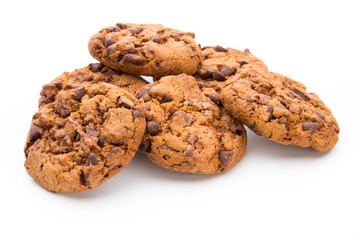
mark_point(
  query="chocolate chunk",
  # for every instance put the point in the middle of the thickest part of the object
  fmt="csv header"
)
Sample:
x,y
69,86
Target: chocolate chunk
x,y
134,30
218,76
96,67
109,41
205,55
35,133
93,159
225,156
242,62
121,26
166,157
133,59
200,84
191,140
136,114
83,179
313,126
112,29
79,93
227,71
57,84
206,73
152,127
247,50
270,110
147,108
301,94
122,104
220,49
165,99
214,98
189,152
143,92
156,39
101,141
45,100
145,146
250,100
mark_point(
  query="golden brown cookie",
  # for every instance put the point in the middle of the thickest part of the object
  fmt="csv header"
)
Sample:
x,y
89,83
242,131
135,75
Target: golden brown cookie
x,y
93,73
280,109
187,131
84,137
146,49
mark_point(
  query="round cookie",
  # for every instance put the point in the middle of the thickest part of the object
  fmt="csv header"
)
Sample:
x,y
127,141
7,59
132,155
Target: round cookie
x,y
146,49
84,137
93,73
187,131
280,109
221,63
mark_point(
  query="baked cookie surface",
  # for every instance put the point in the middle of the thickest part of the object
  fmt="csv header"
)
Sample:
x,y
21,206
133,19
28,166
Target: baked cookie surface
x,y
93,73
187,131
146,49
84,137
221,63
280,109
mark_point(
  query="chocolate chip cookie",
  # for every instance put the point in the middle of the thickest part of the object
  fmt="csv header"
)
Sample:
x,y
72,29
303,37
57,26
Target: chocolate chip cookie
x,y
146,49
187,131
279,108
84,137
93,73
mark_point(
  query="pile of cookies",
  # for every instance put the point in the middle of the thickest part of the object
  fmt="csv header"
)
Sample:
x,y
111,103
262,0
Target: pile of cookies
x,y
92,121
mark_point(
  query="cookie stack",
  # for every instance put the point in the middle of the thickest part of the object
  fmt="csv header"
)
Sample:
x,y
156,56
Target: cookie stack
x,y
92,121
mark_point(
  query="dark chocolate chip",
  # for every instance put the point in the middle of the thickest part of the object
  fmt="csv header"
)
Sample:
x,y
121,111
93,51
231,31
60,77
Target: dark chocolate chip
x,y
218,76
247,50
86,78
112,29
301,94
189,153
225,156
250,100
205,55
147,108
152,127
96,67
93,159
165,99
143,92
133,59
227,71
270,110
101,141
313,126
166,157
191,140
200,84
156,39
35,133
136,114
121,26
242,62
92,130
79,93
57,84
214,98
206,73
45,100
220,49
122,104
134,30
83,179
145,146
109,41
192,48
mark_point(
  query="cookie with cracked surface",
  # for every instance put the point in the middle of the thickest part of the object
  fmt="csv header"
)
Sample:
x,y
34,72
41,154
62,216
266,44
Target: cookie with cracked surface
x,y
93,73
146,49
187,131
221,63
280,109
84,137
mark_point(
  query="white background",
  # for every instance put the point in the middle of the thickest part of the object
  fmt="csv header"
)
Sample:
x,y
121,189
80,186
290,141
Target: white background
x,y
275,192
